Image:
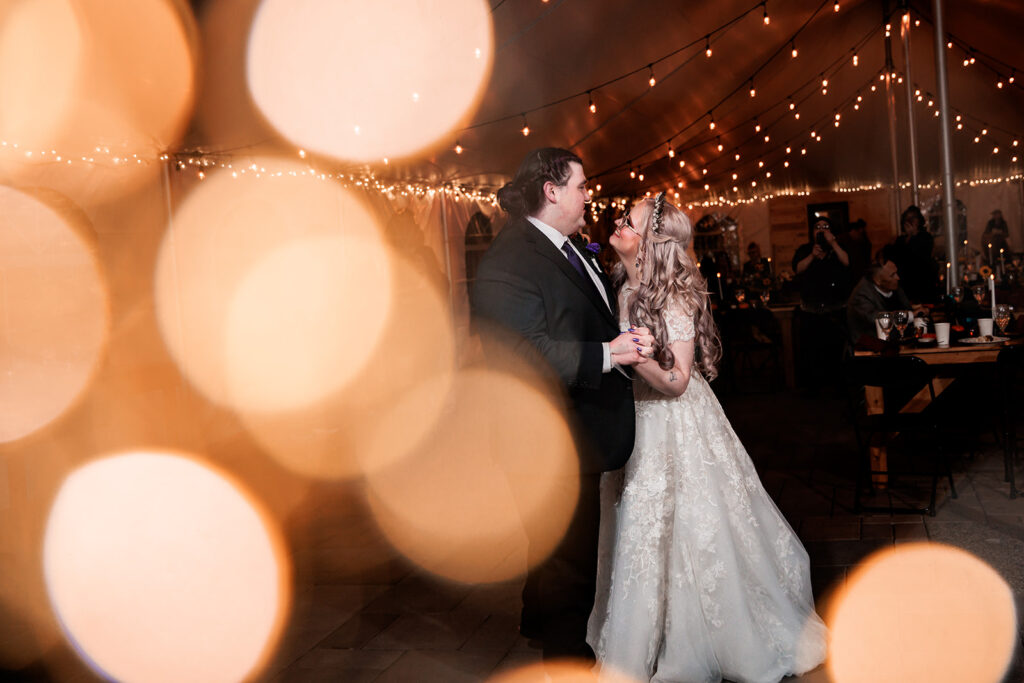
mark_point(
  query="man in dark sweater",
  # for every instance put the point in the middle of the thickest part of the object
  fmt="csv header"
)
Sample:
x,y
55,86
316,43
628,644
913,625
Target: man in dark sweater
x,y
879,290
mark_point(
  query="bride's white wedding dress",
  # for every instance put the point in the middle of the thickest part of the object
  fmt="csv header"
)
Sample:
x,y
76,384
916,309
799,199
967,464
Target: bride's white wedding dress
x,y
700,577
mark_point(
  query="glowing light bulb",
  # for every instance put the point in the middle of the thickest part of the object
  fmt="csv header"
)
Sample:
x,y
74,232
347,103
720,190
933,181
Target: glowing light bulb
x,y
793,52
836,7
526,131
855,59
671,153
767,19
458,148
707,47
682,163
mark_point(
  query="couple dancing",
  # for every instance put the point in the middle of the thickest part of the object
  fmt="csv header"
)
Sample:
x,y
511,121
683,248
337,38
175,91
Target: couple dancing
x,y
676,566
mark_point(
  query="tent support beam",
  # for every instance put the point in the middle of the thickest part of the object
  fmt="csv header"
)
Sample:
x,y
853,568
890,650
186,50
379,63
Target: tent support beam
x,y
890,106
945,138
915,197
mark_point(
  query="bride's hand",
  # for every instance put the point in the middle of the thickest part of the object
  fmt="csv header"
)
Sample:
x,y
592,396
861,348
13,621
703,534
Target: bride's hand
x,y
638,340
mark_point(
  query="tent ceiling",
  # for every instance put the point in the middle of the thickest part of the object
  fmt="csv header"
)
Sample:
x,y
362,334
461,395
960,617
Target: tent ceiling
x,y
546,51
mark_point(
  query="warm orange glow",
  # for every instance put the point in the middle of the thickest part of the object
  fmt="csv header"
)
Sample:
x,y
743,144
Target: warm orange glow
x,y
271,292
368,80
55,314
161,569
390,406
567,671
88,89
459,505
303,320
922,612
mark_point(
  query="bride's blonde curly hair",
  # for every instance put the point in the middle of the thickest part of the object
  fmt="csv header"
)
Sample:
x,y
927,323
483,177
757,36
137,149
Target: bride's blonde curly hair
x,y
667,273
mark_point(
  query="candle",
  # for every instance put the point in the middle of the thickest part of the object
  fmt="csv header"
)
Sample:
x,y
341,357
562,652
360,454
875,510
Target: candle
x,y
770,266
948,283
720,294
990,261
1002,262
992,288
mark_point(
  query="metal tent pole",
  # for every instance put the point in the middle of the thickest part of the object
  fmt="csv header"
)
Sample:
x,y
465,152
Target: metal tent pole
x,y
890,103
911,125
945,138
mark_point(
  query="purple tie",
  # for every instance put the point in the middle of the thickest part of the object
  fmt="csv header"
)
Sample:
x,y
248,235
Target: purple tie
x,y
574,259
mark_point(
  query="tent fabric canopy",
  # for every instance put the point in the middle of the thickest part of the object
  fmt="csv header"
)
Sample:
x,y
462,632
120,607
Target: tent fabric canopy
x,y
548,51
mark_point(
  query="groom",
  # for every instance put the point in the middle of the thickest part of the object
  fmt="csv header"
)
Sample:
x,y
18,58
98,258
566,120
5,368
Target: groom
x,y
552,302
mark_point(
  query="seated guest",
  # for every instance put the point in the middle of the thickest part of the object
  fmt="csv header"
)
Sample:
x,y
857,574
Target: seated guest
x,y
756,267
879,290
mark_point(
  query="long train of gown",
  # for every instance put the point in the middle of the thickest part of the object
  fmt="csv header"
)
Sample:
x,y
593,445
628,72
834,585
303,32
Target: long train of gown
x,y
700,577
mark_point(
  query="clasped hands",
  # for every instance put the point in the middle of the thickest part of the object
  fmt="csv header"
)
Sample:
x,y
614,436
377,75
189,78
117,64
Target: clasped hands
x,y
632,347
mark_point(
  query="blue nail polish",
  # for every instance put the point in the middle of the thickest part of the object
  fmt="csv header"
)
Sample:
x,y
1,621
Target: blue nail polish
x,y
639,350
636,340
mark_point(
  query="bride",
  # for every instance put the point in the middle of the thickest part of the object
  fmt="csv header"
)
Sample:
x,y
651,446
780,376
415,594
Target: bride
x,y
700,577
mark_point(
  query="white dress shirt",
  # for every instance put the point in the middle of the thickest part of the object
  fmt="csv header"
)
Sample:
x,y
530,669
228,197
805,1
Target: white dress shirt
x,y
558,239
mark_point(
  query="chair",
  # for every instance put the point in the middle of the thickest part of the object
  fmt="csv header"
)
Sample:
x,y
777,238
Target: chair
x,y
1010,364
896,379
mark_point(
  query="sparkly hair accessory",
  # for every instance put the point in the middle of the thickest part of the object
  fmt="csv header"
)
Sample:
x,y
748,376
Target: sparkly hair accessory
x,y
659,204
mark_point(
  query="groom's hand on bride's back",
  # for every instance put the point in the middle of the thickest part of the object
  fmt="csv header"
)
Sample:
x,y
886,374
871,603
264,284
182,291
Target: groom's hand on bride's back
x,y
632,347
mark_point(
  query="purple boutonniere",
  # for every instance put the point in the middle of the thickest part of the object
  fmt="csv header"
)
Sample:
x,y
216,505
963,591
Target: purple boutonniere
x,y
594,248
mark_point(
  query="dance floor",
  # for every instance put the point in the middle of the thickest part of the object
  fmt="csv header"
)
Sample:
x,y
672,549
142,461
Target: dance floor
x,y
363,613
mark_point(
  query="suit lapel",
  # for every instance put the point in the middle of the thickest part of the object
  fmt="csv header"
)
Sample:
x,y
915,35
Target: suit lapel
x,y
595,263
545,248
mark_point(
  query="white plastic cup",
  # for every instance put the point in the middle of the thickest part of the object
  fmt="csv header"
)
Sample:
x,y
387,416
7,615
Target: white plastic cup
x,y
985,326
942,334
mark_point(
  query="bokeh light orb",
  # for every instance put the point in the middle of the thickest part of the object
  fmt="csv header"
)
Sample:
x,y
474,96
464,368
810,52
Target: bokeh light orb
x,y
161,569
92,92
561,671
391,405
300,325
922,612
54,309
272,289
500,467
366,80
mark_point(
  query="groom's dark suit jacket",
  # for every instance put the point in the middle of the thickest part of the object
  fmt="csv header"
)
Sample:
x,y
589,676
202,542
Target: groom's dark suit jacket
x,y
527,292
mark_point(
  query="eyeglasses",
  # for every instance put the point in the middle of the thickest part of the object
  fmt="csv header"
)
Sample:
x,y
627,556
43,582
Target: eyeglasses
x,y
627,223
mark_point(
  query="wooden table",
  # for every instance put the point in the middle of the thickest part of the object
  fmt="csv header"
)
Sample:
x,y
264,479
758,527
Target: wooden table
x,y
953,355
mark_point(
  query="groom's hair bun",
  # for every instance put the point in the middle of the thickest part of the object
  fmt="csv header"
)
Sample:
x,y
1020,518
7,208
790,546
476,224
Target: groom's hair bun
x,y
525,194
